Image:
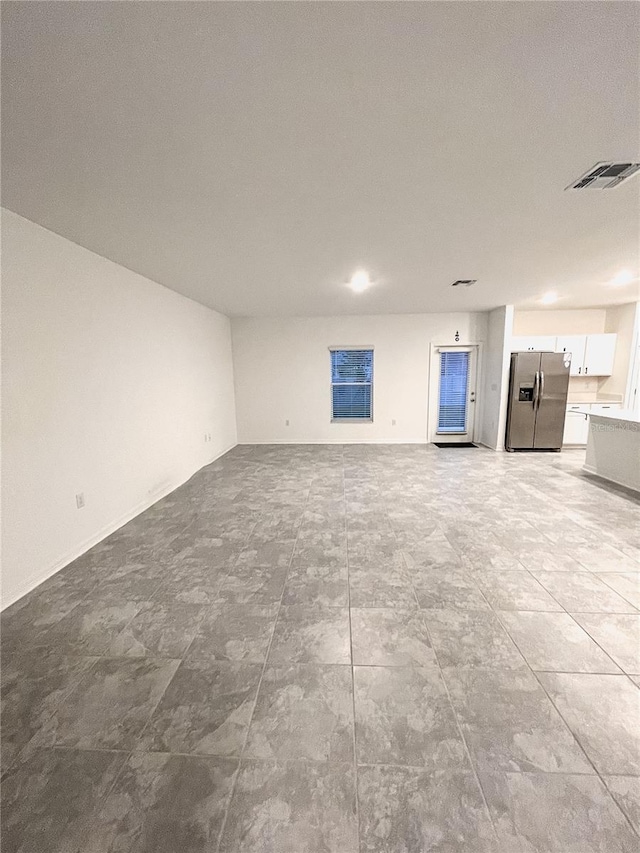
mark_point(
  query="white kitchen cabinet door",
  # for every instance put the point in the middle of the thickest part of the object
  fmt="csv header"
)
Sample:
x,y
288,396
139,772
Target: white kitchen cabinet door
x,y
576,427
576,345
603,408
599,354
533,343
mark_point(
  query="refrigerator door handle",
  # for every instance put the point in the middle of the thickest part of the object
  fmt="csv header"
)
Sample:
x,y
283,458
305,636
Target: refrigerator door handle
x,y
540,388
536,390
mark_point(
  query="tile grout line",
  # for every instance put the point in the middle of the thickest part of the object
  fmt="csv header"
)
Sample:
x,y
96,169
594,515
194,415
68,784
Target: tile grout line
x,y
636,610
536,673
126,753
255,702
322,762
553,595
474,769
596,772
99,656
621,671
147,600
237,770
533,672
353,673
496,611
65,695
453,710
182,660
615,798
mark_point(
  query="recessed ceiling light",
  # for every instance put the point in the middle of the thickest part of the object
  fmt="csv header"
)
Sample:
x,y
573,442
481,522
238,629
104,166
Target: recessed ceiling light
x,y
622,278
360,281
549,298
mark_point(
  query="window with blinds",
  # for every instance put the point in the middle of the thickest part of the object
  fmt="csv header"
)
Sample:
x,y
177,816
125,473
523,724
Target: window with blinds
x,y
351,384
454,383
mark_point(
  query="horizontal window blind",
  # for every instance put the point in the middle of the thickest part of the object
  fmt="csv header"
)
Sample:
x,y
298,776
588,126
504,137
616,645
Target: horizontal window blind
x,y
351,384
454,381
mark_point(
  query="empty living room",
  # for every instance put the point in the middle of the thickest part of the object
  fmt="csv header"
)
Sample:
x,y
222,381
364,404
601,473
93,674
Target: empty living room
x,y
320,426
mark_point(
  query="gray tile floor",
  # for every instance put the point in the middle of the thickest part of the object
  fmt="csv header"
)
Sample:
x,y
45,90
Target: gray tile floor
x,y
383,649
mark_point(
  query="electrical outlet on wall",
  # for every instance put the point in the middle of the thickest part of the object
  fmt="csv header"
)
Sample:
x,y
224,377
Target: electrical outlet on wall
x,y
80,500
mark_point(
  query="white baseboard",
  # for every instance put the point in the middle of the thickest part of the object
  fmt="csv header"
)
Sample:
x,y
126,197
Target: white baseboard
x,y
35,580
284,442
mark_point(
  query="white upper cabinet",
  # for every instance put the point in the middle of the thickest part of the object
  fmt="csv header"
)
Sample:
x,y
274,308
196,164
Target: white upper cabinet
x,y
591,355
576,345
599,354
533,343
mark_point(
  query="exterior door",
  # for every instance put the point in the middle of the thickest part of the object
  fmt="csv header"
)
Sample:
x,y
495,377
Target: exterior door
x,y
552,403
455,417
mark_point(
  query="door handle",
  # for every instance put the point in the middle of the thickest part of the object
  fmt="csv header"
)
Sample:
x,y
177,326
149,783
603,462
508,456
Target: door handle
x,y
541,389
536,387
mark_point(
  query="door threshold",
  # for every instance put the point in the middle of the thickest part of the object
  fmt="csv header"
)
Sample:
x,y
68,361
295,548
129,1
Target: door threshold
x,y
444,444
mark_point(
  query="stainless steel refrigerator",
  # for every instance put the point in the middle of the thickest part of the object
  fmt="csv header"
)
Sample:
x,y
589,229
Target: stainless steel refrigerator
x,y
538,387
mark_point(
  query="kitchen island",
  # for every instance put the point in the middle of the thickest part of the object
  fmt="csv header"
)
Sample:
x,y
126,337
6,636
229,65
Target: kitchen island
x,y
613,447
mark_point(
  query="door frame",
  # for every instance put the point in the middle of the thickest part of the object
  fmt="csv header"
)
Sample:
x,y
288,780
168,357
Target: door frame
x,y
433,388
632,397
632,390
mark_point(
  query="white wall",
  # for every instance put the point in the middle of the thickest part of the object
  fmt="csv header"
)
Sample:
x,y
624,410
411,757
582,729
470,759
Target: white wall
x,y
110,383
580,321
282,372
497,357
620,319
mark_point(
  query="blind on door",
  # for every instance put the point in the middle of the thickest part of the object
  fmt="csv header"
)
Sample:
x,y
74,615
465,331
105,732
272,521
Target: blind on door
x,y
454,380
351,384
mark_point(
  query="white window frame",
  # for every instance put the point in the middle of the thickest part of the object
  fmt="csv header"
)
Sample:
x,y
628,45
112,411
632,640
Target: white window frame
x,y
351,348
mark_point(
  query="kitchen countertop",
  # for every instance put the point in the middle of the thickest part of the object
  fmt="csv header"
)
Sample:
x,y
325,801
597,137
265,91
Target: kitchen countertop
x,y
615,415
599,401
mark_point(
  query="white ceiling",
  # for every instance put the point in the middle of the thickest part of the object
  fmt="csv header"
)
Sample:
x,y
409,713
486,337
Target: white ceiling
x,y
252,155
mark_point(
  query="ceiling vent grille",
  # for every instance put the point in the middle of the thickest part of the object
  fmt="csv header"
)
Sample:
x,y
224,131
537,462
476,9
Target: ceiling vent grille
x,y
464,282
604,176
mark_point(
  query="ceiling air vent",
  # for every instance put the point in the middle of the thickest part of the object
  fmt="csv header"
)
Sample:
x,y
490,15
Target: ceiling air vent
x,y
464,282
604,176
